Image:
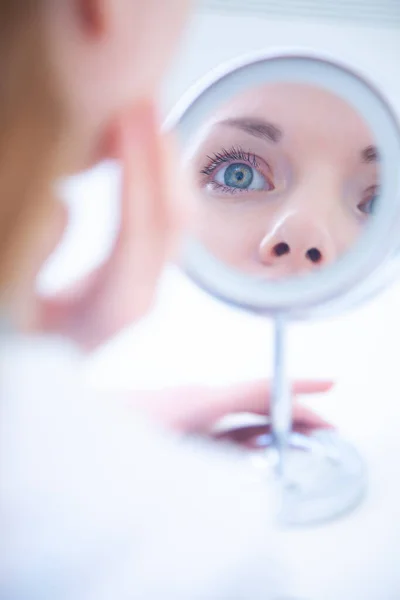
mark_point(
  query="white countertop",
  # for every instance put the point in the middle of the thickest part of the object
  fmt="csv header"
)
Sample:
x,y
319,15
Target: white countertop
x,y
191,338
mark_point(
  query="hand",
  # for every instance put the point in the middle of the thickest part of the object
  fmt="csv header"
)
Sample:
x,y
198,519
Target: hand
x,y
196,409
121,290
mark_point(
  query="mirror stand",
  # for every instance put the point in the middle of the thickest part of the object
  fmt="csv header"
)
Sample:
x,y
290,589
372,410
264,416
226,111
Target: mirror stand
x,y
248,138
320,476
281,399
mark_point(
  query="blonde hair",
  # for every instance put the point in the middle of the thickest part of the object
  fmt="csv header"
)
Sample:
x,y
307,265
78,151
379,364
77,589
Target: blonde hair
x,y
31,123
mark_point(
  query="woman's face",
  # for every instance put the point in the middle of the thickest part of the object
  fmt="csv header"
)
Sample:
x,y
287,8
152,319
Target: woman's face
x,y
287,176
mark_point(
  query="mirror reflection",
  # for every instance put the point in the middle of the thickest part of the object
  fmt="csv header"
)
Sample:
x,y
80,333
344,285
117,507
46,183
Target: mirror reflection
x,y
287,176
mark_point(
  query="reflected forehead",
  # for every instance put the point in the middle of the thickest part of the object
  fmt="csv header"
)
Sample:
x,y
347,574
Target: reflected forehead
x,y
297,113
289,104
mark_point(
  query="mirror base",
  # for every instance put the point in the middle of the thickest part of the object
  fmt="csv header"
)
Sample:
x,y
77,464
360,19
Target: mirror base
x,y
324,477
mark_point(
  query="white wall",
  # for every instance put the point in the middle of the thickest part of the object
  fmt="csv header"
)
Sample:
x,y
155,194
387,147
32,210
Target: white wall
x,y
212,39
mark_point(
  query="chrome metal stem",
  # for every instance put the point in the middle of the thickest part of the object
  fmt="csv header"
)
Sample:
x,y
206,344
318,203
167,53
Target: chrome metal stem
x,y
281,401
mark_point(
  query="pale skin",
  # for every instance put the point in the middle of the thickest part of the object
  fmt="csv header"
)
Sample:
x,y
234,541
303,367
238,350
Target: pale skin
x,y
287,176
125,45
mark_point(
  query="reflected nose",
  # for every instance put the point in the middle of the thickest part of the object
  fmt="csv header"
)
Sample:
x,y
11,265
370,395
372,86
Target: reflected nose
x,y
296,245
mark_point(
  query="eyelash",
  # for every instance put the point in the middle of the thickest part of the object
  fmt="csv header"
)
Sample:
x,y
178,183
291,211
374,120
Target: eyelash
x,y
236,153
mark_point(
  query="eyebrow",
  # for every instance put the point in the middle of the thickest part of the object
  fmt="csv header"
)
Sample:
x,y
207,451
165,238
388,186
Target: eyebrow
x,y
256,127
370,154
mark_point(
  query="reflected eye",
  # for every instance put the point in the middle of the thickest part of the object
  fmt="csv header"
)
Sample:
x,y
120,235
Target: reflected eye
x,y
368,204
236,171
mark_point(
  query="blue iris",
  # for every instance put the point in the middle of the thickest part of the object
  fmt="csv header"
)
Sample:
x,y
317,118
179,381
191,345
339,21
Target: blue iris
x,y
238,175
368,206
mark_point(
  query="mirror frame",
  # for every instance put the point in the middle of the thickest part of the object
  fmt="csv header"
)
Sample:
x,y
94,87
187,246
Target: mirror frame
x,y
297,297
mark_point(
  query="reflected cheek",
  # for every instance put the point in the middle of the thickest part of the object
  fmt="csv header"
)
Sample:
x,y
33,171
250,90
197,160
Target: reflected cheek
x,y
231,233
342,225
348,231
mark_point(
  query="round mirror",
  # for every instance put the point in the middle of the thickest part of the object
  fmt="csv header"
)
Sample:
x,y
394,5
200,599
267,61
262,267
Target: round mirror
x,y
294,164
293,161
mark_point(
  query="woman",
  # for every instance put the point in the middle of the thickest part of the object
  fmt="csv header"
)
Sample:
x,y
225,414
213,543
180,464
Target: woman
x,y
288,176
96,499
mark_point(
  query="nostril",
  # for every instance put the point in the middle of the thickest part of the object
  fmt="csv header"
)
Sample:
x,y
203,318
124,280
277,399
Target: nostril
x,y
314,255
281,249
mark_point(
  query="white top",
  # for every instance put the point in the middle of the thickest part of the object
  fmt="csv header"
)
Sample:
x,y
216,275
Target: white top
x,y
96,504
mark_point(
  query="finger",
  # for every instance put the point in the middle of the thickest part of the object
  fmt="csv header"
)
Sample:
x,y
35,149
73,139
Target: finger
x,y
312,386
255,396
143,236
126,283
129,265
120,291
209,405
179,202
